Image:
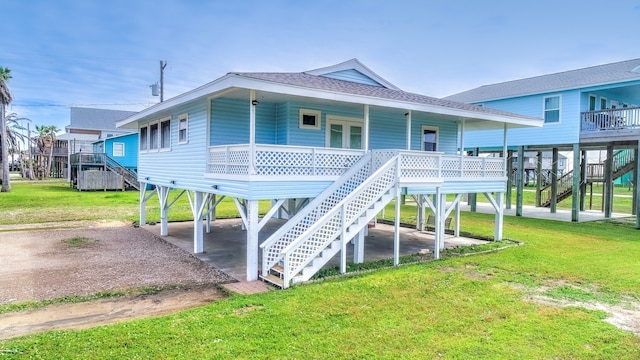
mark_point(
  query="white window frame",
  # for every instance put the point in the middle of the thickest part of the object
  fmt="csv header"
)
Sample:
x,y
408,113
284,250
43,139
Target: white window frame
x,y
113,150
157,136
183,118
309,112
432,128
346,123
160,137
146,140
544,109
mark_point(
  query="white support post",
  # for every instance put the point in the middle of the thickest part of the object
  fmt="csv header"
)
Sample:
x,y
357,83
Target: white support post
x,y
252,240
438,214
198,242
462,126
358,247
252,131
499,222
396,229
443,216
365,146
408,115
143,203
343,242
456,229
208,216
163,194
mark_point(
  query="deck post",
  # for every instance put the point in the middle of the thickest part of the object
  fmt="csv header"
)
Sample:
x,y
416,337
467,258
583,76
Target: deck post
x,y
473,197
252,239
198,243
163,194
520,181
396,226
143,204
499,222
358,247
408,115
608,182
554,180
509,174
583,179
253,102
539,179
456,229
442,218
575,199
438,214
636,188
365,144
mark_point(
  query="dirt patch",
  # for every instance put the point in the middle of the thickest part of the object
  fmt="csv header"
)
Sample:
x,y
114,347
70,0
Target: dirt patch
x,y
625,316
105,311
53,263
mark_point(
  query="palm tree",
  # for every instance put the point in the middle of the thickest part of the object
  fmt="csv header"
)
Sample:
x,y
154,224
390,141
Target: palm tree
x,y
15,136
51,132
5,99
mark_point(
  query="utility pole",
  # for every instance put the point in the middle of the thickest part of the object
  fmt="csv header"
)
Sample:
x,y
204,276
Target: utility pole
x,y
163,64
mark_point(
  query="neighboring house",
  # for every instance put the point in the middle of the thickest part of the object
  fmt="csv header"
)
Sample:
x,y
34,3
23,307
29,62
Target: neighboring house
x,y
590,109
88,126
121,148
329,147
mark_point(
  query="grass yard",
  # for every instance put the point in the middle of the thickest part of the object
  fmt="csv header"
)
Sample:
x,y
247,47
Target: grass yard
x,y
481,306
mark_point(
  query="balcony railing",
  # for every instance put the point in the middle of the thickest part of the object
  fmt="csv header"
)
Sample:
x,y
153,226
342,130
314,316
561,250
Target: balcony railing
x,y
610,119
292,162
87,159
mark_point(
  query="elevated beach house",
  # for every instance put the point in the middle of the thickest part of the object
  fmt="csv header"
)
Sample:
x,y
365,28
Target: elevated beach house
x,y
329,147
590,109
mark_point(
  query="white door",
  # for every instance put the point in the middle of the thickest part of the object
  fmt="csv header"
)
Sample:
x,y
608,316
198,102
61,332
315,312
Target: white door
x,y
345,133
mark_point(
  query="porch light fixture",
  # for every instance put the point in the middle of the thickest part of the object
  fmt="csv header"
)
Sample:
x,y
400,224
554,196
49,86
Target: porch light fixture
x,y
147,178
405,114
255,102
173,182
214,186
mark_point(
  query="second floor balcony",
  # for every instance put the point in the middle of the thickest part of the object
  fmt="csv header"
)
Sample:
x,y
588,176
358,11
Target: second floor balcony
x,y
606,124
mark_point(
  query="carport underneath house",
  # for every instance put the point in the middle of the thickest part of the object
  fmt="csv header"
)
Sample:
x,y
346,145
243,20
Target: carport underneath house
x,y
224,245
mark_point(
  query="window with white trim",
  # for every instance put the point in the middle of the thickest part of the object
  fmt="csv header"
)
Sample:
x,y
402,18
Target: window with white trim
x,y
310,119
154,133
429,138
165,134
551,109
183,129
118,149
144,138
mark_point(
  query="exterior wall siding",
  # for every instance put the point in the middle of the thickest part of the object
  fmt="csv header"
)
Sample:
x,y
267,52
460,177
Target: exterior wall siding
x,y
130,158
447,134
185,164
566,131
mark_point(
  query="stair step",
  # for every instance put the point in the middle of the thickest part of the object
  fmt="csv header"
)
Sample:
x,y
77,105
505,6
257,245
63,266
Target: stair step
x,y
278,270
272,279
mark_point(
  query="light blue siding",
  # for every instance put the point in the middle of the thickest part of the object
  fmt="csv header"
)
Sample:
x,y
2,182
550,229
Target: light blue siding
x,y
387,130
447,133
353,76
230,122
183,163
566,131
130,158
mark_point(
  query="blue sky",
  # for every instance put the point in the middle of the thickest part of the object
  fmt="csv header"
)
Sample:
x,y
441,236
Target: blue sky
x,y
105,54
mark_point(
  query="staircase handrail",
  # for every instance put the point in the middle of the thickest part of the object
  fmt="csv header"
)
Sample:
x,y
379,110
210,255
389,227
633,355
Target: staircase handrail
x,y
313,205
392,164
116,167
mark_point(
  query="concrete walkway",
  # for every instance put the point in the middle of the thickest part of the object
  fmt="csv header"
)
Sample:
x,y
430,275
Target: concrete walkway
x,y
225,246
544,213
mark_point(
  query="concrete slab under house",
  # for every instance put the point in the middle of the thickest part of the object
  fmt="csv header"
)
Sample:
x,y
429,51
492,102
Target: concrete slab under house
x,y
328,147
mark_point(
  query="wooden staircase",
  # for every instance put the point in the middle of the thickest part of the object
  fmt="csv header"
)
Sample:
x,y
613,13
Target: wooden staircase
x,y
623,162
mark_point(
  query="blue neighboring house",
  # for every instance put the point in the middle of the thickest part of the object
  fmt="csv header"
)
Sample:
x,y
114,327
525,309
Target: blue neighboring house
x,y
328,147
584,110
121,148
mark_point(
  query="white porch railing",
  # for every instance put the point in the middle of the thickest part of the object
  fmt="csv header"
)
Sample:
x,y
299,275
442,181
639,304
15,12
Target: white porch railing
x,y
280,161
610,119
297,162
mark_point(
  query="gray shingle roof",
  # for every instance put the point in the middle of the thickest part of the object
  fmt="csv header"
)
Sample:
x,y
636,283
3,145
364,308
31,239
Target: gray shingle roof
x,y
325,83
595,75
96,119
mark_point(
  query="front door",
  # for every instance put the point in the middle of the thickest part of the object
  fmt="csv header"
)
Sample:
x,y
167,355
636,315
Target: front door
x,y
345,133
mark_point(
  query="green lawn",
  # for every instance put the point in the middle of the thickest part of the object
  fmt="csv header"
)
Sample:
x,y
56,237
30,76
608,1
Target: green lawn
x,y
465,307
